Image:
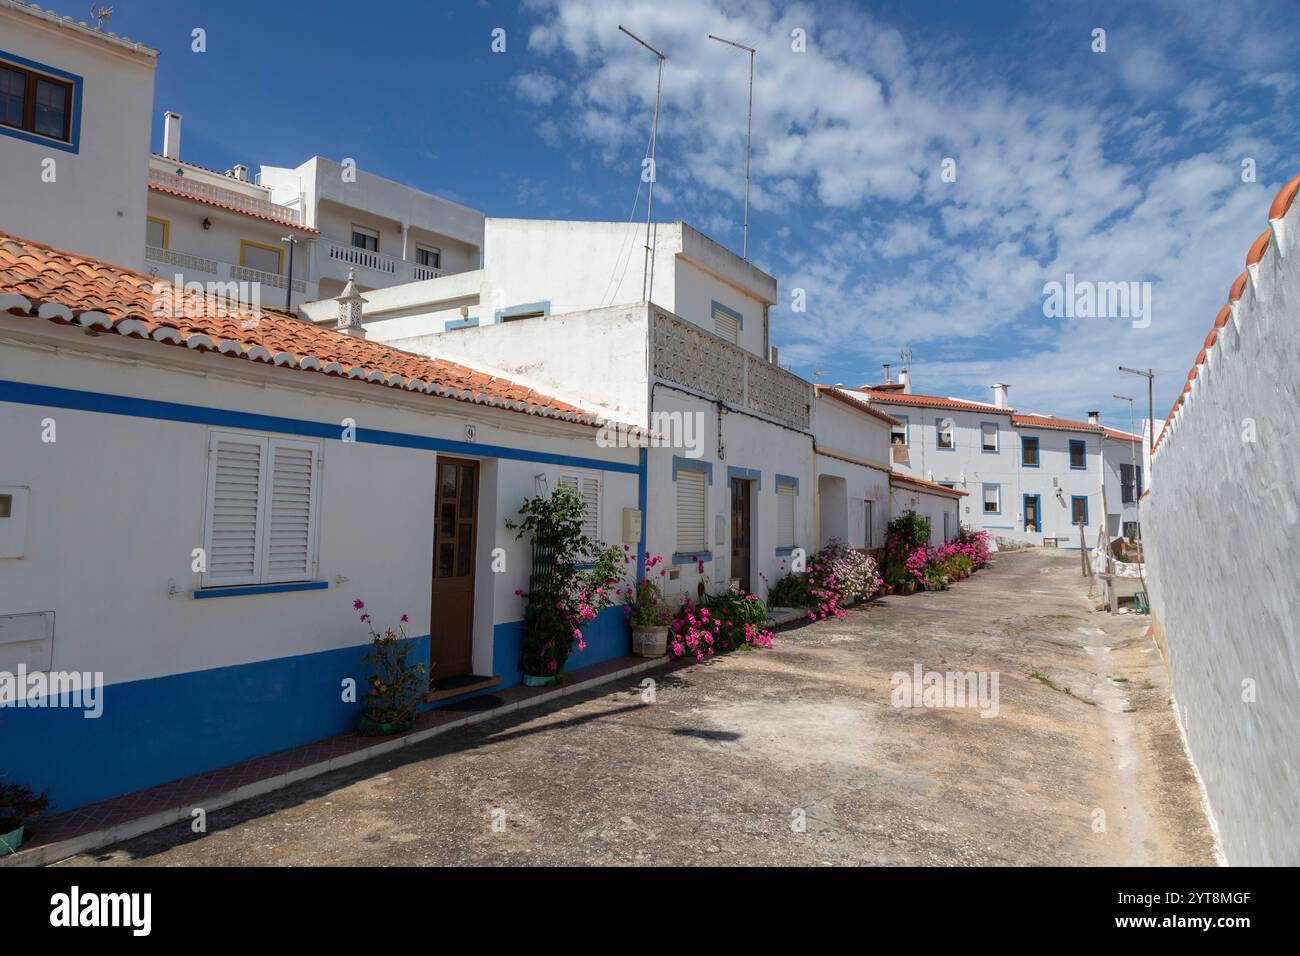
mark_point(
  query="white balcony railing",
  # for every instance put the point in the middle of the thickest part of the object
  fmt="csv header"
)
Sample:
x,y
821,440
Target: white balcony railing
x,y
191,186
201,269
400,270
688,355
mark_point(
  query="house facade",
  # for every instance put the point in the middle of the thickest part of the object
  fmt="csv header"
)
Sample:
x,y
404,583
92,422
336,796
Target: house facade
x,y
75,101
194,500
1031,478
676,343
854,496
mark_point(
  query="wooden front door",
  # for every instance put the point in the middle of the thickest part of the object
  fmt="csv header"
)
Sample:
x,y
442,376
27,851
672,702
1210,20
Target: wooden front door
x,y
452,616
1033,521
740,532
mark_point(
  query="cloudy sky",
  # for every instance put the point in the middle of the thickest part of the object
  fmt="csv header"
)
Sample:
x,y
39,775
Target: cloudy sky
x,y
1153,161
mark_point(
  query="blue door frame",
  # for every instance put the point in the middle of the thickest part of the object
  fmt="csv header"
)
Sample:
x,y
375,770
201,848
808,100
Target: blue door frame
x,y
1038,510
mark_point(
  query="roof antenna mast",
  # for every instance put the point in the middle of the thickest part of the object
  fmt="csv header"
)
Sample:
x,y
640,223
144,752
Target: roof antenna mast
x,y
647,272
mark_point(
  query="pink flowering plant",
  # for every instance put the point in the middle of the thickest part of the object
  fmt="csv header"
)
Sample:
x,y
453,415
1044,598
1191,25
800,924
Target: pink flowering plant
x,y
392,690
574,578
719,623
646,605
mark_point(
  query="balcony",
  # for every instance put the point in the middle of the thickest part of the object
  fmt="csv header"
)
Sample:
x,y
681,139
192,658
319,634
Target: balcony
x,y
166,264
373,268
191,186
687,355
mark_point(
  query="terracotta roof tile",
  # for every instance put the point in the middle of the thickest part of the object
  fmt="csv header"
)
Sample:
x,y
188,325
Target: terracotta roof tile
x,y
63,287
934,486
861,404
1122,436
1282,201
229,208
928,401
1064,424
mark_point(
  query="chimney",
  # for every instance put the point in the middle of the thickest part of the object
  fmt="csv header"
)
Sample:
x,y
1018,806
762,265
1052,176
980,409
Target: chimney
x,y
888,380
351,312
905,380
772,354
1094,418
1000,395
172,135
241,172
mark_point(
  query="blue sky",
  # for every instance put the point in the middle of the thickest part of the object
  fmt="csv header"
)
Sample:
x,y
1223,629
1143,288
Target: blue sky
x,y
1115,166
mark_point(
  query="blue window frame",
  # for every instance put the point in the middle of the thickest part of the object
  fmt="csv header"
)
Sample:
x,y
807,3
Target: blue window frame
x,y
527,311
1079,450
997,498
938,434
1029,456
1037,501
1078,515
29,78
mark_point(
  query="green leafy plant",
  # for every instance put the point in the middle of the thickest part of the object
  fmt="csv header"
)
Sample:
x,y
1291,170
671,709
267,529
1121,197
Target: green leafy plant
x,y
394,685
903,536
789,591
574,578
646,606
20,806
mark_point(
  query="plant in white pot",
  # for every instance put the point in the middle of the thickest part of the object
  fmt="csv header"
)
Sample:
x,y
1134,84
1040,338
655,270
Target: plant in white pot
x,y
649,615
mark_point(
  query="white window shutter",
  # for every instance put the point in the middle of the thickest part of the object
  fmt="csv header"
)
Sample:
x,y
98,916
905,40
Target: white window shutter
x,y
289,535
785,511
690,512
236,489
588,488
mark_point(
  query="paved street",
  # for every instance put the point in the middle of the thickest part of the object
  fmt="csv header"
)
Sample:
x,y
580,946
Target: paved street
x,y
1081,765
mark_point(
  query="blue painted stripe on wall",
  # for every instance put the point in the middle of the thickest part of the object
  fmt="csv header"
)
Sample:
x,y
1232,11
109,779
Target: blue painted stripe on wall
x,y
25,393
608,638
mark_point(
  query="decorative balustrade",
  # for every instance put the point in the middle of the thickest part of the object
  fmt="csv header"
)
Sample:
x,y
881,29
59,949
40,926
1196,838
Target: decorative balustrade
x,y
689,356
356,256
192,186
201,269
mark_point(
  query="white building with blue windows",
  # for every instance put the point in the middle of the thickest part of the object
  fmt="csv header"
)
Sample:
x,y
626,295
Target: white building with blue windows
x,y
1031,478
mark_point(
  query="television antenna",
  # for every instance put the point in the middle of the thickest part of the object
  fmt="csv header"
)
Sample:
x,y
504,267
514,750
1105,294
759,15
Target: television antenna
x,y
101,14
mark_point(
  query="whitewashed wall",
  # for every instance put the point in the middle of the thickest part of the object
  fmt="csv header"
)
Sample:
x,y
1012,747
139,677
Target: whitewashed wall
x,y
116,506
845,439
96,205
1221,525
928,505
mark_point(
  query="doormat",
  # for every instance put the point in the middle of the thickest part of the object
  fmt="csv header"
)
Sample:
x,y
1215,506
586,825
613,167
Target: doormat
x,y
482,702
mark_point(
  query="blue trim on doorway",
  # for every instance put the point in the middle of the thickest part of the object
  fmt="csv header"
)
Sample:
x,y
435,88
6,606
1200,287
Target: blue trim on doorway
x,y
202,593
25,393
1038,511
745,474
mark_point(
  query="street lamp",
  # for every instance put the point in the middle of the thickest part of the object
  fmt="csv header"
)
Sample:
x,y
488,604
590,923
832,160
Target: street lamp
x,y
1150,376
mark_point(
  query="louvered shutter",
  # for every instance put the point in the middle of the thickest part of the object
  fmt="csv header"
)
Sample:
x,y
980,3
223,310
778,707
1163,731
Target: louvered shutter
x,y
785,502
236,483
690,512
588,487
289,546
726,326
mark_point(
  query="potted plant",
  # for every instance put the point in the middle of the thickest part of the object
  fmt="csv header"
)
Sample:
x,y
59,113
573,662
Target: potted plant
x,y
650,616
573,579
19,807
393,688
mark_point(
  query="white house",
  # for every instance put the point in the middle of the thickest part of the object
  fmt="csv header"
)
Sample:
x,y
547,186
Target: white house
x,y
1031,478
938,504
678,344
1126,478
854,500
194,497
73,101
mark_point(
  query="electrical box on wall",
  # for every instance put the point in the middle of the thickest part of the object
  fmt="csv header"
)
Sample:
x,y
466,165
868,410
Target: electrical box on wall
x,y
631,525
13,520
27,640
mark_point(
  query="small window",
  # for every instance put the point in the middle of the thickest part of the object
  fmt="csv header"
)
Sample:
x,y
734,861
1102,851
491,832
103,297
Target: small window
x,y
588,486
6,506
992,499
726,322
518,316
255,255
989,436
1078,454
428,257
1130,483
1132,530
1079,509
946,430
35,103
691,486
260,523
785,512
1029,452
156,232
898,433
363,238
